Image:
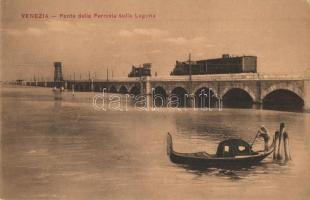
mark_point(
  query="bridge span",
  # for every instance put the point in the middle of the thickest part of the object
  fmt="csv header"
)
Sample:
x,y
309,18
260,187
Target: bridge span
x,y
232,89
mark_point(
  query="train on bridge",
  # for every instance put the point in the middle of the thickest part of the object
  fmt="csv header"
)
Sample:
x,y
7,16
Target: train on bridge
x,y
145,70
226,65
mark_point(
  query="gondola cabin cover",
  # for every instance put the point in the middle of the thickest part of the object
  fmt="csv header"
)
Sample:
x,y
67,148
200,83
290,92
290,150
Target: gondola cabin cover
x,y
233,147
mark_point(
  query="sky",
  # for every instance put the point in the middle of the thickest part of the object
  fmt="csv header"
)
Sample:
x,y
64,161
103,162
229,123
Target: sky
x,y
276,31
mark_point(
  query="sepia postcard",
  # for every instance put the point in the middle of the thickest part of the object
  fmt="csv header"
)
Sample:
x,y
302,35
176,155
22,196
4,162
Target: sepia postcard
x,y
151,100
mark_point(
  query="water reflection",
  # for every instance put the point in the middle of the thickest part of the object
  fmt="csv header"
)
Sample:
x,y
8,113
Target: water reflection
x,y
58,94
286,108
237,173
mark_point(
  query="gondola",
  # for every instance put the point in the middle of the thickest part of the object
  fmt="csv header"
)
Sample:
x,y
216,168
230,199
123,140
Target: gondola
x,y
230,153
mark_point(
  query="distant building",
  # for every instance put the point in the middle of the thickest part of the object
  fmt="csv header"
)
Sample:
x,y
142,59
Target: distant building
x,y
225,65
145,70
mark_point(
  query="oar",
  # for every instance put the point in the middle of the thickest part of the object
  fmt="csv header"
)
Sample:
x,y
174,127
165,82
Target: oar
x,y
254,138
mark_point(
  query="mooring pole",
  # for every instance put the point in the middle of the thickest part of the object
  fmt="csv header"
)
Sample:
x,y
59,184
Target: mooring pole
x,y
282,126
286,147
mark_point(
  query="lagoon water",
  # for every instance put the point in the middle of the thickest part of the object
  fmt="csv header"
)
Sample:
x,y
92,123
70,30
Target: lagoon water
x,y
52,149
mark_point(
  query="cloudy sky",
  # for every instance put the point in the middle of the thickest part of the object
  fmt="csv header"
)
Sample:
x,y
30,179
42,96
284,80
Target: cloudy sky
x,y
277,31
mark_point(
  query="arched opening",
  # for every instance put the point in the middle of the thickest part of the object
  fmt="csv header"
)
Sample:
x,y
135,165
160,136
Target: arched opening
x,y
88,87
97,88
135,90
179,97
123,90
205,97
159,97
103,88
283,100
83,88
113,89
237,98
76,87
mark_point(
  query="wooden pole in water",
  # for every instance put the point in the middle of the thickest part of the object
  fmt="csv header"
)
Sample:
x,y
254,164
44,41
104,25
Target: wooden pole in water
x,y
286,147
275,140
282,126
278,136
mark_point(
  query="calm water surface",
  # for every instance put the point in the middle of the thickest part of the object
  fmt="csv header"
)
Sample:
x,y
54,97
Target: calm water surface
x,y
67,150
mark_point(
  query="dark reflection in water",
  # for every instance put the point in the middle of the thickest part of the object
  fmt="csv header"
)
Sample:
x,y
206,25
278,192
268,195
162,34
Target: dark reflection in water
x,y
288,108
237,173
67,150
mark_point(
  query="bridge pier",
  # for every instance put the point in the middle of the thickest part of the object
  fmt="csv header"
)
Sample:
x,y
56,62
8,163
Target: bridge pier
x,y
191,102
307,94
147,91
92,87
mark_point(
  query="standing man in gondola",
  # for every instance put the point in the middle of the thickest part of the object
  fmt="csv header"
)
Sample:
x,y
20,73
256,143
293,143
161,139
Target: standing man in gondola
x,y
262,132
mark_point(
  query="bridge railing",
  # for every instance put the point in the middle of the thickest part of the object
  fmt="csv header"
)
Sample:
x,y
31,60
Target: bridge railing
x,y
116,79
230,77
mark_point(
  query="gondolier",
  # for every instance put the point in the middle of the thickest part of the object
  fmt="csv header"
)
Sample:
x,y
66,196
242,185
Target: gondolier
x,y
263,133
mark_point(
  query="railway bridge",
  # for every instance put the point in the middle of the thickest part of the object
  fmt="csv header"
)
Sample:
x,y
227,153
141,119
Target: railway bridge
x,y
205,90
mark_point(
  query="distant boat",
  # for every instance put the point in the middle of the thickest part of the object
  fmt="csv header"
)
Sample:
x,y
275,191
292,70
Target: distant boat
x,y
230,153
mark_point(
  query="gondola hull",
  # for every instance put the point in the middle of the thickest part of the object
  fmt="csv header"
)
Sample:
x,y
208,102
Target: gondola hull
x,y
202,159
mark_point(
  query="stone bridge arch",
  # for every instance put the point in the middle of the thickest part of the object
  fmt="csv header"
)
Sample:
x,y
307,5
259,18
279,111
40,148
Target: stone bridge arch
x,y
163,86
123,88
212,86
112,89
169,87
135,89
284,95
297,89
247,89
